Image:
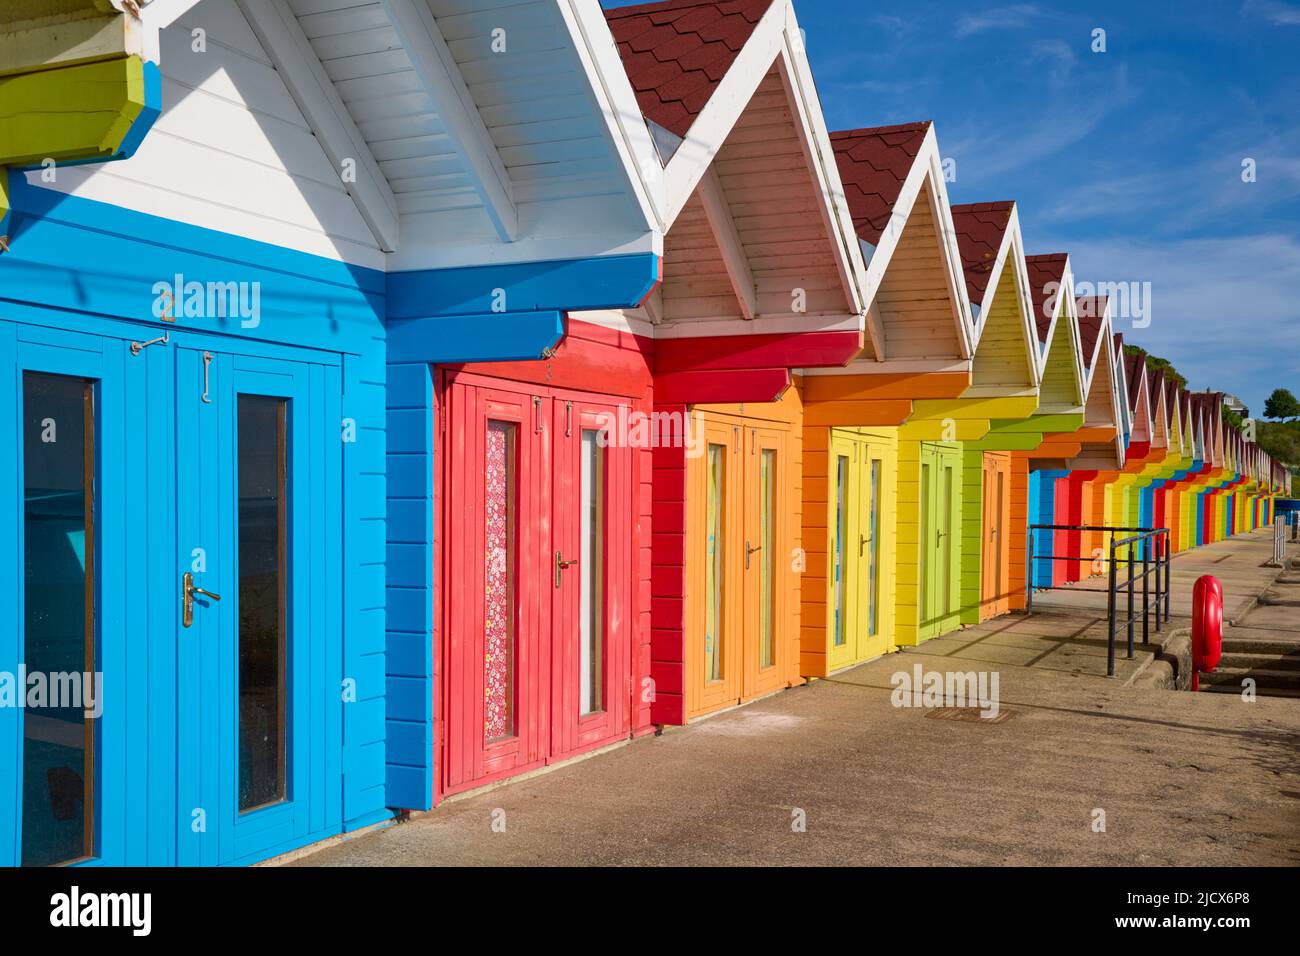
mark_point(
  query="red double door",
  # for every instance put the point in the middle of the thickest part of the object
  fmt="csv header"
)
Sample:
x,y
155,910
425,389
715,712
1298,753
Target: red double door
x,y
537,569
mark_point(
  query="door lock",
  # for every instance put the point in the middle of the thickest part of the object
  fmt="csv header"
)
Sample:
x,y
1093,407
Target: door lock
x,y
561,565
188,590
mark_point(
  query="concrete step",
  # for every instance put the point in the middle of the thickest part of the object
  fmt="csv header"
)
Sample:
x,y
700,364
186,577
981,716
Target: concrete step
x,y
1259,645
1245,639
1207,688
1279,597
1246,661
1265,677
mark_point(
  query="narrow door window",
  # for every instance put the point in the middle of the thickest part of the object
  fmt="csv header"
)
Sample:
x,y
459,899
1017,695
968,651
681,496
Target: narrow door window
x,y
767,541
59,588
263,562
997,541
873,549
945,540
500,513
841,542
715,509
592,569
924,559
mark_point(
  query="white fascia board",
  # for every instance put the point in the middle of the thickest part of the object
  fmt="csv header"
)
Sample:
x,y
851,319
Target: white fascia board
x,y
926,168
441,79
281,36
805,106
728,242
883,252
1096,346
714,123
942,211
1014,253
1118,402
1010,252
615,100
1070,316
1143,423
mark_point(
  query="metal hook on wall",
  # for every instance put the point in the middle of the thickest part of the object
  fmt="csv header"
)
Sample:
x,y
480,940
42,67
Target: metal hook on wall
x,y
138,347
207,362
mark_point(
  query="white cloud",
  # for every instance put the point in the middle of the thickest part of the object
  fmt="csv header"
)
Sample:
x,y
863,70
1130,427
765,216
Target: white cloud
x,y
1002,146
997,18
1225,311
1274,11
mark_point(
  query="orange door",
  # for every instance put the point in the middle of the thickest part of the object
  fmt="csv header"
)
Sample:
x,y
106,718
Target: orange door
x,y
764,600
716,500
739,591
994,579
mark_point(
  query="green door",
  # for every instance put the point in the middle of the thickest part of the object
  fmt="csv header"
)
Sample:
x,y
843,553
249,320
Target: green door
x,y
940,542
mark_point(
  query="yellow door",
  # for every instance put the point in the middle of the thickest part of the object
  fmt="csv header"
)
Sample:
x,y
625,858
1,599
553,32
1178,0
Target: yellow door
x,y
857,548
842,548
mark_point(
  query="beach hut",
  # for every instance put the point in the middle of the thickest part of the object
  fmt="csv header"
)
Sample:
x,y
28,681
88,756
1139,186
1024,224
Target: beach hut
x,y
1007,363
762,276
1054,427
224,292
867,579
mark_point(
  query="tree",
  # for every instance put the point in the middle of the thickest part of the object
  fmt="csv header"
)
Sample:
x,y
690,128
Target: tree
x,y
1282,405
1155,362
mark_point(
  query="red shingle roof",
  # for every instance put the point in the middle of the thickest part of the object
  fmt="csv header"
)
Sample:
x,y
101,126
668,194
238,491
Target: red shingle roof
x,y
873,165
1133,365
677,52
980,227
1045,275
1091,309
1155,383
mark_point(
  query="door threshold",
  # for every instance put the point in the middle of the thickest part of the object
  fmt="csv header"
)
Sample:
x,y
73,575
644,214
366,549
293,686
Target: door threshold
x,y
865,660
744,703
526,775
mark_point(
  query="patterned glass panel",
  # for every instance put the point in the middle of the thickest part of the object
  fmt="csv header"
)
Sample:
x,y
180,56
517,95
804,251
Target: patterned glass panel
x,y
499,502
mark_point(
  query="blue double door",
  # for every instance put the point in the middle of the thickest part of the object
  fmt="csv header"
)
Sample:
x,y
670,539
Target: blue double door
x,y
177,542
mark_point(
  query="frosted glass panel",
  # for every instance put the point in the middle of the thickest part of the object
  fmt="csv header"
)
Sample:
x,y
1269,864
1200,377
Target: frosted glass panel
x,y
713,517
591,564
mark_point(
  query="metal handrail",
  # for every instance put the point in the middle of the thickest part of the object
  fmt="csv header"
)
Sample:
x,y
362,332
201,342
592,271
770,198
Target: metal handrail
x,y
1155,557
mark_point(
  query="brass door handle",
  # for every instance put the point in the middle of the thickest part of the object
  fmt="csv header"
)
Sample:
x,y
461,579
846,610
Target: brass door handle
x,y
188,590
862,543
561,565
749,551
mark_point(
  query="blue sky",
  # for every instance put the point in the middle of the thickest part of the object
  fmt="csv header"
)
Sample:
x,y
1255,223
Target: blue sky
x,y
1130,160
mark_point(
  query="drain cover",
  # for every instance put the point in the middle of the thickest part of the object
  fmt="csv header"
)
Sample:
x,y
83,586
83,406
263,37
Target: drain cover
x,y
971,714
